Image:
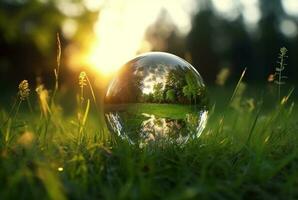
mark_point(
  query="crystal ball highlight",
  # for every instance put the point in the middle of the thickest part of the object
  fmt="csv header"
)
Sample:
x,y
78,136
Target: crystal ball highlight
x,y
156,97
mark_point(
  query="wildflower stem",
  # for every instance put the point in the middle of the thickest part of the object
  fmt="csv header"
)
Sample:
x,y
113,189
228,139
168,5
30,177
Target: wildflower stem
x,y
17,111
92,92
10,112
29,105
279,70
82,83
254,123
279,78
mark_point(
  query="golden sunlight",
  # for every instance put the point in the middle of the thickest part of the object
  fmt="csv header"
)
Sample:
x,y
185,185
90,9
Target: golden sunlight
x,y
121,27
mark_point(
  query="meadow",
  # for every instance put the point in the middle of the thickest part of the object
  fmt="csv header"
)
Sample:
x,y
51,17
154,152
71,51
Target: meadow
x,y
174,111
247,151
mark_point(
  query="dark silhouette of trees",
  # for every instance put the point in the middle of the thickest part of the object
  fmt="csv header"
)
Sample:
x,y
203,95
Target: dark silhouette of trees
x,y
216,42
28,38
200,43
270,37
28,47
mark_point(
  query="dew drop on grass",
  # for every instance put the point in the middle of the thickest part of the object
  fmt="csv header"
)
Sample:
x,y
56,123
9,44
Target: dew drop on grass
x,y
156,97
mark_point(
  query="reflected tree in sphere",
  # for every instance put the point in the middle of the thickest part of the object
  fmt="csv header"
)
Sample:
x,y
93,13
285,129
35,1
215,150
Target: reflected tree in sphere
x,y
156,97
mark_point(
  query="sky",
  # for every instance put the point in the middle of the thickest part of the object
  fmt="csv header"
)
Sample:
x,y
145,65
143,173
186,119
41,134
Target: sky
x,y
122,24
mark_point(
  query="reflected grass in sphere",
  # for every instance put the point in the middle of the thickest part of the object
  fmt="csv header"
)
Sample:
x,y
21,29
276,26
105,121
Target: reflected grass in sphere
x,y
156,97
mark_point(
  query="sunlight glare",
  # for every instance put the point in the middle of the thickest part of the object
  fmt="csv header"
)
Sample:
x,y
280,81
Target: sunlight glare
x,y
121,27
227,8
251,11
291,7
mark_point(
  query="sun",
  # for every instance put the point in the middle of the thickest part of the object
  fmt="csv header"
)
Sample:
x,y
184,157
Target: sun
x,y
120,31
104,60
119,36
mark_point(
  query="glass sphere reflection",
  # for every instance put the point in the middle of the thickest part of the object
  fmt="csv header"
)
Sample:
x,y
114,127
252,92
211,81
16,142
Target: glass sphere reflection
x,y
156,97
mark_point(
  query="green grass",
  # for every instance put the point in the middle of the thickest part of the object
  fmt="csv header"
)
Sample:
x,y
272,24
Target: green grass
x,y
247,151
173,111
244,153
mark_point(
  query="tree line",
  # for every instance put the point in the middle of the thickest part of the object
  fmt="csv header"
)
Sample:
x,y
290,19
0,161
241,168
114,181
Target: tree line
x,y
181,85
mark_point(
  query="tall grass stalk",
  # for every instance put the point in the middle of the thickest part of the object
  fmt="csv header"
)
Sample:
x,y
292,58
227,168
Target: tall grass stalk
x,y
29,105
237,86
82,113
254,124
222,118
43,95
22,95
45,111
98,111
57,69
93,94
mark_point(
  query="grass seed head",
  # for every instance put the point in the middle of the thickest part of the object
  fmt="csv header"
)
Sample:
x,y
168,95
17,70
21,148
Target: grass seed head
x,y
82,79
24,90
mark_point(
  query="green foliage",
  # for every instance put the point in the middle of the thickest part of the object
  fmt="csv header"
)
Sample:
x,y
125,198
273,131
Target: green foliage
x,y
187,92
147,98
158,92
170,95
180,87
192,86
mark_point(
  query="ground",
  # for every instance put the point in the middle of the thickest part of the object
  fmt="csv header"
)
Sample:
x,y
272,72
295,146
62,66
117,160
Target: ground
x,y
247,151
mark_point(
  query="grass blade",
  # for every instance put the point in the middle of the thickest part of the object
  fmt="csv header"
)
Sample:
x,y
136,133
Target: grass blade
x,y
237,86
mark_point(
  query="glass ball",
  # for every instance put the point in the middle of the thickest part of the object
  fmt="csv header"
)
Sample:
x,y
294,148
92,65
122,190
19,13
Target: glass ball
x,y
156,97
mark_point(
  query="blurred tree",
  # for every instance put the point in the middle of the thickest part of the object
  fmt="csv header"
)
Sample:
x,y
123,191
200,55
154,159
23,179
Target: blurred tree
x,y
28,35
163,35
28,47
216,42
200,43
270,38
237,52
